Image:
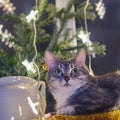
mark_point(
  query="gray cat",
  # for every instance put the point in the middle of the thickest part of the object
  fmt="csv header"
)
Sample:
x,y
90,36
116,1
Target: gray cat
x,y
76,91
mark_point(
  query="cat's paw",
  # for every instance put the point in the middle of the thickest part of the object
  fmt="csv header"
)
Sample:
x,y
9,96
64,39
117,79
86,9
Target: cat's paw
x,y
67,110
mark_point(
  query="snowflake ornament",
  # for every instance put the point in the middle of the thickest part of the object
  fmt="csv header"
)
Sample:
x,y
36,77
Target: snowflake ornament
x,y
100,9
85,37
32,15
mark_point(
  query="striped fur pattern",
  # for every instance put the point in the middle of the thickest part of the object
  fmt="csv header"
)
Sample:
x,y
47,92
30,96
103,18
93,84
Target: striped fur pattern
x,y
77,92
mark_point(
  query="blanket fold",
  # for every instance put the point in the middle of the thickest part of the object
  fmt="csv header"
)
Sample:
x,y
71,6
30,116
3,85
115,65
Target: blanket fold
x,y
113,115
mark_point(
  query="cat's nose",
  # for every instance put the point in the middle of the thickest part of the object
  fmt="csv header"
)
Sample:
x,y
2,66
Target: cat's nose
x,y
66,78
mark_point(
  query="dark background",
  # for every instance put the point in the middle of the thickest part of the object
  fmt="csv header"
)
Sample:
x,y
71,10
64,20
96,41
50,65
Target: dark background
x,y
106,31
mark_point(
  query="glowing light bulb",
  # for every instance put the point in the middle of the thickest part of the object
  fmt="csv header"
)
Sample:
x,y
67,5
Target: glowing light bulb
x,y
32,15
85,37
29,65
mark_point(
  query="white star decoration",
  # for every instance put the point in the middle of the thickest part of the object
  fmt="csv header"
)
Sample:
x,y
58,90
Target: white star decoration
x,y
32,15
85,37
29,65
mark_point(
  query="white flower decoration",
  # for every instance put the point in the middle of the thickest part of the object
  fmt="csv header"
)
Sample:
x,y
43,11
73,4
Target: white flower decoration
x,y
29,65
32,15
5,37
85,37
7,6
100,9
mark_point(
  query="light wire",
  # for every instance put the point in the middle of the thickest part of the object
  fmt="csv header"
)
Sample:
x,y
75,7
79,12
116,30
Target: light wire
x,y
42,105
86,32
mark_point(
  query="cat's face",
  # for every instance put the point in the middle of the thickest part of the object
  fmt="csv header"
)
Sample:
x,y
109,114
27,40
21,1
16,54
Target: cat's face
x,y
66,75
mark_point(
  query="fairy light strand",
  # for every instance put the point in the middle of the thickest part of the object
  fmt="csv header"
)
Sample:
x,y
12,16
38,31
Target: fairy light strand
x,y
86,31
85,16
33,17
41,113
36,66
41,96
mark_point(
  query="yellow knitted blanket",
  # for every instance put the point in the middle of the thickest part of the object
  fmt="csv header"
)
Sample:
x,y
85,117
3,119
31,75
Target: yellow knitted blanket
x,y
113,115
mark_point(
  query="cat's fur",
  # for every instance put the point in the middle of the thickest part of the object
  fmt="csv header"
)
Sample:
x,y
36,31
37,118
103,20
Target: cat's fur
x,y
76,91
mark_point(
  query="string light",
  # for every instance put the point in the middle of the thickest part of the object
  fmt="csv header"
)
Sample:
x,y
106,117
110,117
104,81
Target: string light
x,y
87,33
29,66
85,37
42,99
32,15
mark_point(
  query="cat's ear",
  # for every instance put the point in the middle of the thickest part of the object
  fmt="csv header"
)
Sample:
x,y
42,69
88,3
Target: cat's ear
x,y
80,58
50,59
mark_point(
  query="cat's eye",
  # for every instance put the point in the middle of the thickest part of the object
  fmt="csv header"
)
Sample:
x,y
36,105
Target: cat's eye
x,y
74,71
58,72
